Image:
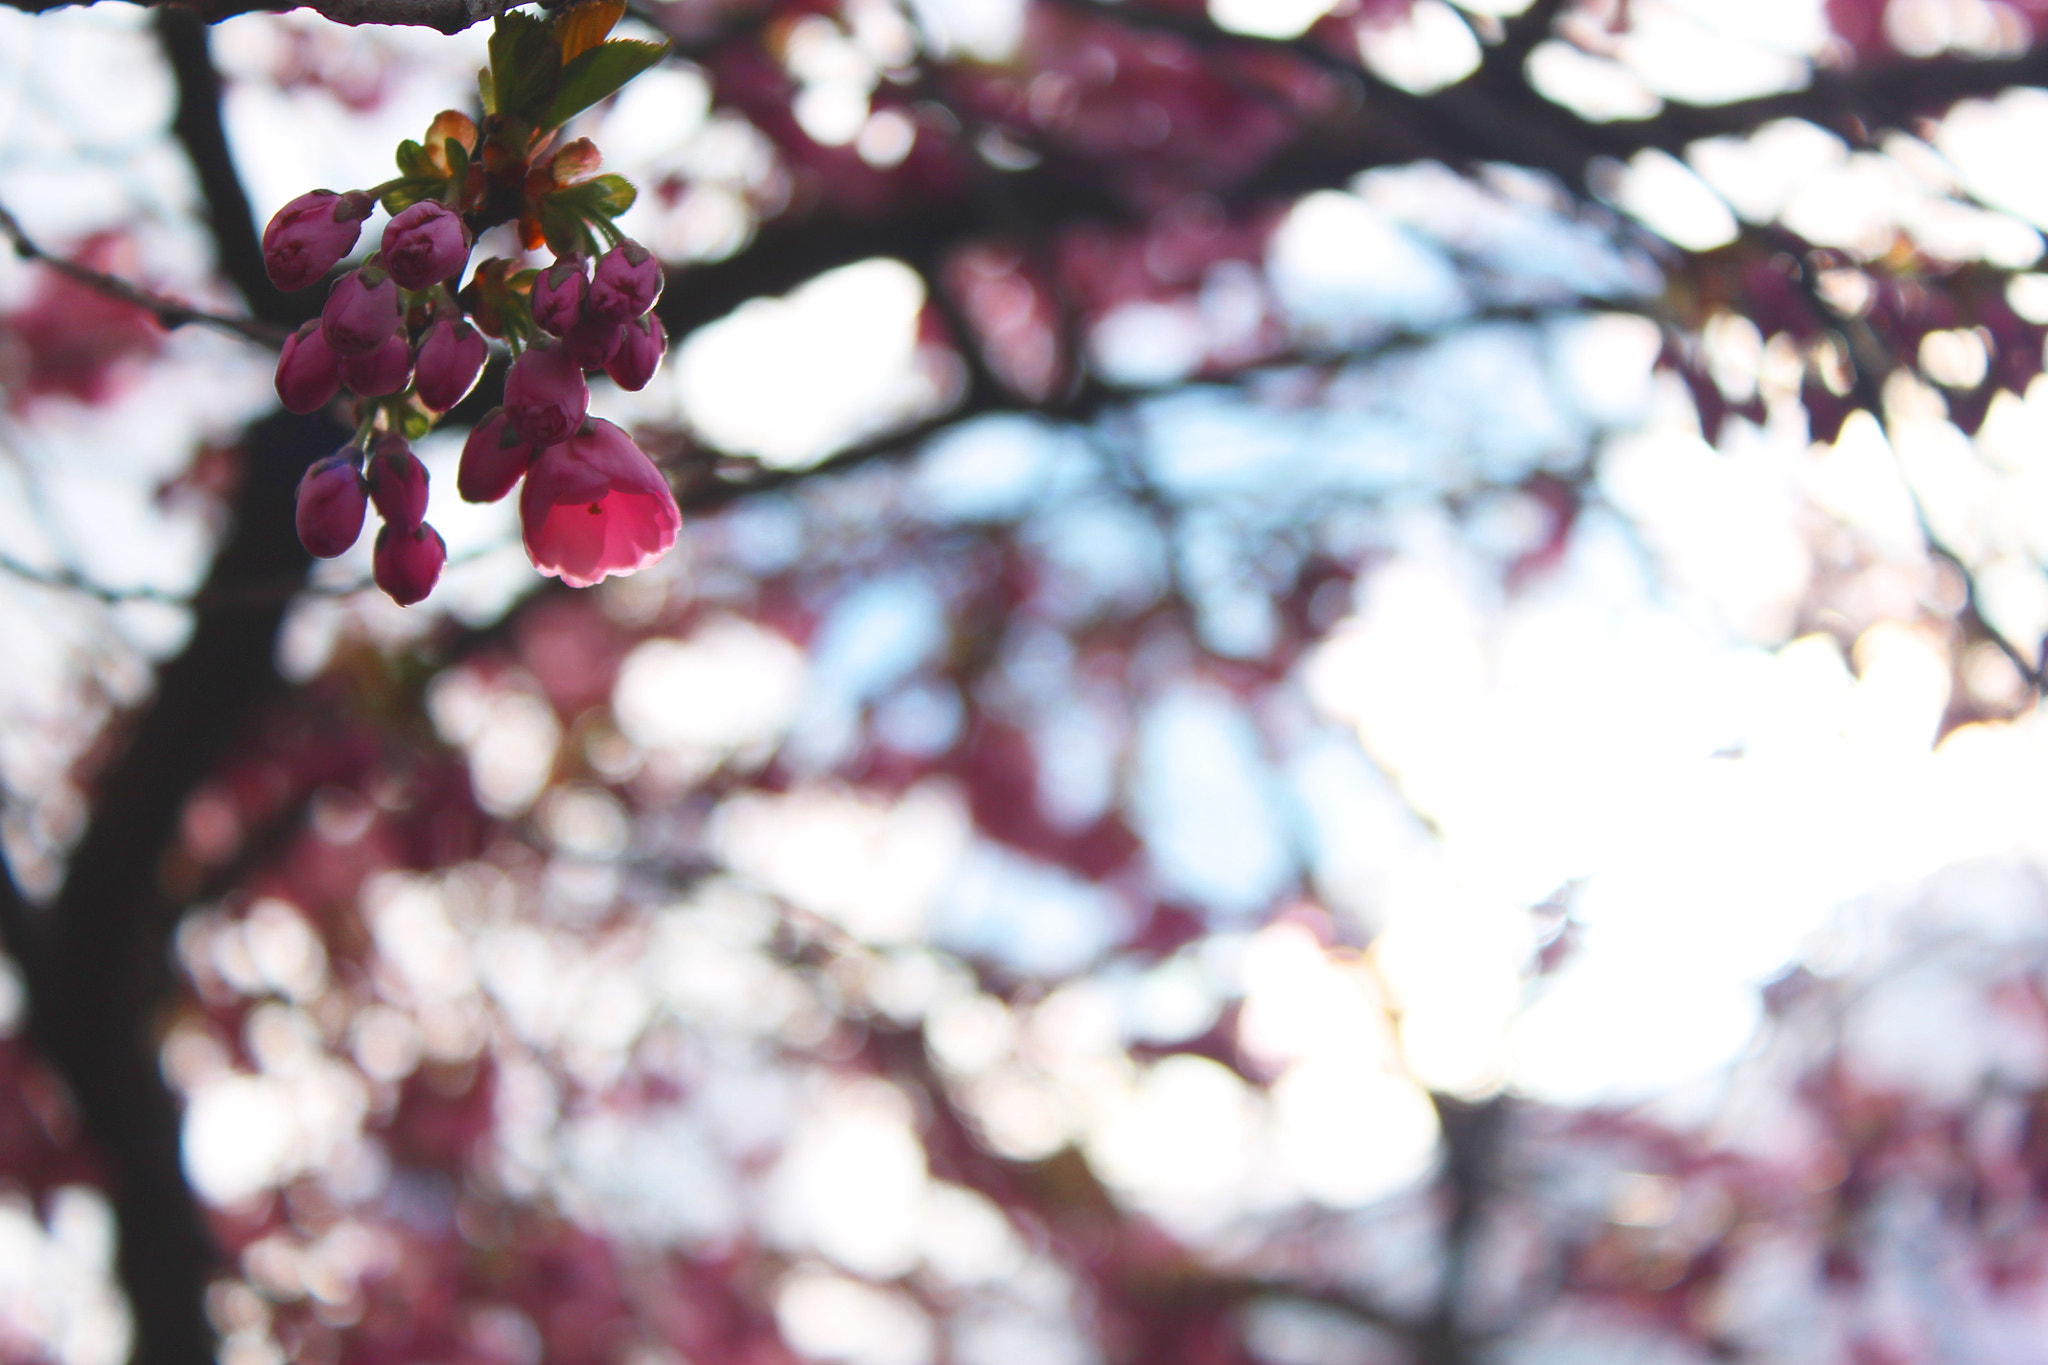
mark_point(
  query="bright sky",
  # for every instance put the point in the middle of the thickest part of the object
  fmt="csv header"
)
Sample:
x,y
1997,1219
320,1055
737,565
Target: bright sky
x,y
1639,729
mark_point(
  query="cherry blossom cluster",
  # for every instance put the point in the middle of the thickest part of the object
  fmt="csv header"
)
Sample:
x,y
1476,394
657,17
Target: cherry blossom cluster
x,y
406,338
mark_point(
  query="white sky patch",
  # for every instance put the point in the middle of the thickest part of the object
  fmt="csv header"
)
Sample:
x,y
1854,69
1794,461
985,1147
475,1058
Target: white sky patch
x,y
996,468
1762,173
793,379
656,1177
1029,915
1184,1143
1425,50
1268,18
1149,344
830,1317
1705,52
288,141
852,1183
1995,146
58,1296
1718,801
987,30
1340,266
1666,196
1204,798
1591,86
731,686
244,1134
871,866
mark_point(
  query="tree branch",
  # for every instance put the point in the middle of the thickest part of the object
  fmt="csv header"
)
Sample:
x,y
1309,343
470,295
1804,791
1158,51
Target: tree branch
x,y
100,965
170,313
449,16
238,250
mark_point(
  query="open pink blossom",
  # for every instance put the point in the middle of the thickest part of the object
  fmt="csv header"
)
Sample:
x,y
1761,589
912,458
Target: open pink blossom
x,y
424,245
595,506
308,376
309,235
493,459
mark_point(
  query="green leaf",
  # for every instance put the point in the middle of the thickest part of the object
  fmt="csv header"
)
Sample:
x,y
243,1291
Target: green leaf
x,y
598,73
410,191
562,226
415,161
484,91
458,160
607,196
526,64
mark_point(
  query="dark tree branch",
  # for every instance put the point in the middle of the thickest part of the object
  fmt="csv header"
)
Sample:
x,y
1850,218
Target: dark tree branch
x,y
1473,1136
449,16
1856,103
97,961
169,313
197,126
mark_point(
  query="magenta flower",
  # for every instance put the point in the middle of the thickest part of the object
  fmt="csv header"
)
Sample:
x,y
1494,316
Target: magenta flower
x,y
398,483
406,563
451,357
424,245
307,236
642,343
382,371
558,294
596,506
331,505
545,396
628,282
307,375
592,343
361,312
493,459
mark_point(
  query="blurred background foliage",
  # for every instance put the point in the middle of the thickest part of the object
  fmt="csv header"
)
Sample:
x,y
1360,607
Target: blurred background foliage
x,y
1346,683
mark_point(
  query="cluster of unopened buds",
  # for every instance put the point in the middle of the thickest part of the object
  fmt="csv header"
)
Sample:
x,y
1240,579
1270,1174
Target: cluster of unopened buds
x,y
408,341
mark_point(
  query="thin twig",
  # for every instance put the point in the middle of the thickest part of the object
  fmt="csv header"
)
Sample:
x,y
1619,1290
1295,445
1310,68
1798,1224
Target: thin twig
x,y
169,313
70,580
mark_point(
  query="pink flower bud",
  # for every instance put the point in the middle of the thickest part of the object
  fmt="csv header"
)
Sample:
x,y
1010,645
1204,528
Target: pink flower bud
x,y
594,506
331,504
451,357
307,375
558,294
591,343
407,561
627,284
382,371
545,396
307,236
424,245
360,313
493,459
398,482
642,343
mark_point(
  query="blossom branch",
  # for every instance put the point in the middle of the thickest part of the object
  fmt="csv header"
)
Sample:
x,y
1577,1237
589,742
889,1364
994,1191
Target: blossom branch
x,y
170,313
